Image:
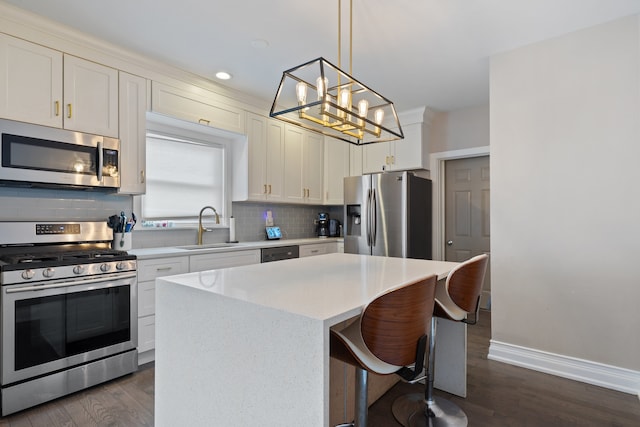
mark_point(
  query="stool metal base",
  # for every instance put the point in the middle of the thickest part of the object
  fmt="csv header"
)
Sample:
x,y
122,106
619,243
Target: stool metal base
x,y
409,410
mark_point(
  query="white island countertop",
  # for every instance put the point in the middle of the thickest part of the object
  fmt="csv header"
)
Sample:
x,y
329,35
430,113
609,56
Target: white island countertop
x,y
250,345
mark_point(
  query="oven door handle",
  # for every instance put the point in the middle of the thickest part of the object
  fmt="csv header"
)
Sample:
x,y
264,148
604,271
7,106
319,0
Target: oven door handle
x,y
67,284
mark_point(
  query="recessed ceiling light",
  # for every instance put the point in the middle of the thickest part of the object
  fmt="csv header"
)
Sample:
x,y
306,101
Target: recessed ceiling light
x,y
222,75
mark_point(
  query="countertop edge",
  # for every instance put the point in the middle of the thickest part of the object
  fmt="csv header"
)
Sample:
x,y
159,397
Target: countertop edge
x,y
162,252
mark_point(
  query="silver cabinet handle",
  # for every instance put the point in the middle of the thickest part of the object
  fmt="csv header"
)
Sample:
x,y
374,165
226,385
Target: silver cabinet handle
x,y
449,242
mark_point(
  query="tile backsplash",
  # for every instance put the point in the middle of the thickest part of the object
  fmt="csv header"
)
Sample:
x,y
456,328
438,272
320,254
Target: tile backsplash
x,y
295,221
32,204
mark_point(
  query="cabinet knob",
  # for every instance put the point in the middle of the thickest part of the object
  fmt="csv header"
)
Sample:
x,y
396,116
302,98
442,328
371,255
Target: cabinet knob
x,y
69,111
204,122
57,107
142,176
269,188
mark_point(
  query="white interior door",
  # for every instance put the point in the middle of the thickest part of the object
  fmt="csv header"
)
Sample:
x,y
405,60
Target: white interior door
x,y
467,210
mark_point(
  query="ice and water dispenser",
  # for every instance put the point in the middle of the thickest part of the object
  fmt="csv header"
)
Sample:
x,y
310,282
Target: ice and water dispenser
x,y
354,220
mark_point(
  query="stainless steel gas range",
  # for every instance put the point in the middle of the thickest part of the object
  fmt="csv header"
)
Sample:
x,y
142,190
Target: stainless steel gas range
x,y
68,310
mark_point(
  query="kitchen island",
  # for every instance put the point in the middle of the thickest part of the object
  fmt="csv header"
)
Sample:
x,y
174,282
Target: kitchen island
x,y
250,345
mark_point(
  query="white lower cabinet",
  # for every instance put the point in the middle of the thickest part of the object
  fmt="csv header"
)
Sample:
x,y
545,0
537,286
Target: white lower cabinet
x,y
148,271
146,338
204,262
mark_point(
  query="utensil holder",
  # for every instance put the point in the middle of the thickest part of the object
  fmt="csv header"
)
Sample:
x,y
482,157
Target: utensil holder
x,y
121,241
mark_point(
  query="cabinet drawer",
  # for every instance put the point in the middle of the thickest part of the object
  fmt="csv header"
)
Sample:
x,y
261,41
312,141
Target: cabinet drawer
x,y
146,298
204,262
146,333
152,268
318,249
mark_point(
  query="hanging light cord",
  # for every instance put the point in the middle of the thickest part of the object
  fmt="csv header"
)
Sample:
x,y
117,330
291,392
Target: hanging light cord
x,y
350,35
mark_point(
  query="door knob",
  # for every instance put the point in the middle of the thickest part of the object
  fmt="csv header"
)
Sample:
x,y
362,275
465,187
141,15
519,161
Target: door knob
x,y
449,242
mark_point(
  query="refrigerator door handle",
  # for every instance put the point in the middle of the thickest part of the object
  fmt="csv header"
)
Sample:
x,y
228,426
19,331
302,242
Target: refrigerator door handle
x,y
374,218
368,228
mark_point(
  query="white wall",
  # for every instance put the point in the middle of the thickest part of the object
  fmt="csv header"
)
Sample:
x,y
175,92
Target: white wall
x,y
565,219
459,129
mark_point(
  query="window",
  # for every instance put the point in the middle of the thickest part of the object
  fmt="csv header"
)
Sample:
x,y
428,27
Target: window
x,y
183,176
190,166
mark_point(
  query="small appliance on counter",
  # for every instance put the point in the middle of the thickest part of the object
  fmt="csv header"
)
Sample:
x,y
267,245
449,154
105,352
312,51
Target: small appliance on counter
x,y
322,224
334,228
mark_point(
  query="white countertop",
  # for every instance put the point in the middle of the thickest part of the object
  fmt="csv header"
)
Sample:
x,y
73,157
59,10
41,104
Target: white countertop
x,y
146,253
330,287
246,345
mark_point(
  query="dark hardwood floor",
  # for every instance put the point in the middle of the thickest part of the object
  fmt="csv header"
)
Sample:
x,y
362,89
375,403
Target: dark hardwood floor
x,y
498,395
127,401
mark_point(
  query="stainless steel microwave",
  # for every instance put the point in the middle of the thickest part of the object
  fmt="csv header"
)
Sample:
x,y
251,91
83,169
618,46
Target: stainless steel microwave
x,y
34,155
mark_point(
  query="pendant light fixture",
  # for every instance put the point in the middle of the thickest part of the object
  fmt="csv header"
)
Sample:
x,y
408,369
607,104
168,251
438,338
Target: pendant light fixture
x,y
323,98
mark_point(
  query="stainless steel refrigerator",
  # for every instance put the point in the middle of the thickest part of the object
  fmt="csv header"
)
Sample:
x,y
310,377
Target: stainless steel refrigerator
x,y
388,214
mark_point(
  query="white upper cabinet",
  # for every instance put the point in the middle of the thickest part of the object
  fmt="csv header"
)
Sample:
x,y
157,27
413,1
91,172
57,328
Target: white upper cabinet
x,y
31,79
90,97
133,125
303,165
412,152
355,160
196,105
313,158
336,167
266,158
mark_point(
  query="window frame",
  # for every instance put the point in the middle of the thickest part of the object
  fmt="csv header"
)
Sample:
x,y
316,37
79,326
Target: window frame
x,y
180,129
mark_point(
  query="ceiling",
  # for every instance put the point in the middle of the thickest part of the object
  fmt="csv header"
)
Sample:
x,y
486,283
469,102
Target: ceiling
x,y
414,52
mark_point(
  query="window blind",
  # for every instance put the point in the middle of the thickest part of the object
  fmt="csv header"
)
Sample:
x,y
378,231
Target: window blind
x,y
182,177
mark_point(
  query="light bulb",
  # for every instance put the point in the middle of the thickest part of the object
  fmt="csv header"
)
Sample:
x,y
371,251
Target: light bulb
x,y
379,116
363,108
344,98
321,86
301,92
343,101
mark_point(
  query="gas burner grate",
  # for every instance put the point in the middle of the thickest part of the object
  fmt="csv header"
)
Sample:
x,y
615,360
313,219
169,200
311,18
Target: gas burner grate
x,y
31,258
95,254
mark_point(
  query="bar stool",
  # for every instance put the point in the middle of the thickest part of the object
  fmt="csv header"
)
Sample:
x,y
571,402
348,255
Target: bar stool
x,y
388,338
455,300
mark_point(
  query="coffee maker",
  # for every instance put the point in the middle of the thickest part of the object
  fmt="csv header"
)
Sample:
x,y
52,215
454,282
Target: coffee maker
x,y
322,224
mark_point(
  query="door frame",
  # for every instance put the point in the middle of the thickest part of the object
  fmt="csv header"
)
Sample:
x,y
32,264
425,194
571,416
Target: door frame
x,y
437,165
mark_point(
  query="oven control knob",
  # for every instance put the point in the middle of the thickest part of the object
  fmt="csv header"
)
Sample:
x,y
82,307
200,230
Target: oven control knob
x,y
28,274
121,266
48,272
78,269
105,267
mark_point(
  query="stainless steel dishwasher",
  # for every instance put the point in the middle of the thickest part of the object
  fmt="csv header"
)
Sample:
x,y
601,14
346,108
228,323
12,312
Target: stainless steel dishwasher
x,y
279,253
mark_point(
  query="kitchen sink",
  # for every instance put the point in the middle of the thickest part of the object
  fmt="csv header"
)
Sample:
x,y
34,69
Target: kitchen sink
x,y
208,246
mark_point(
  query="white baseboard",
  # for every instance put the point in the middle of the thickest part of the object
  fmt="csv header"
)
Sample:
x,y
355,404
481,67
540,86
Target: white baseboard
x,y
612,377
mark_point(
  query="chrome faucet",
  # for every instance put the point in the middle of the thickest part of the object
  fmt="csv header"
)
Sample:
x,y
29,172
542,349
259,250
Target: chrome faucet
x,y
201,229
